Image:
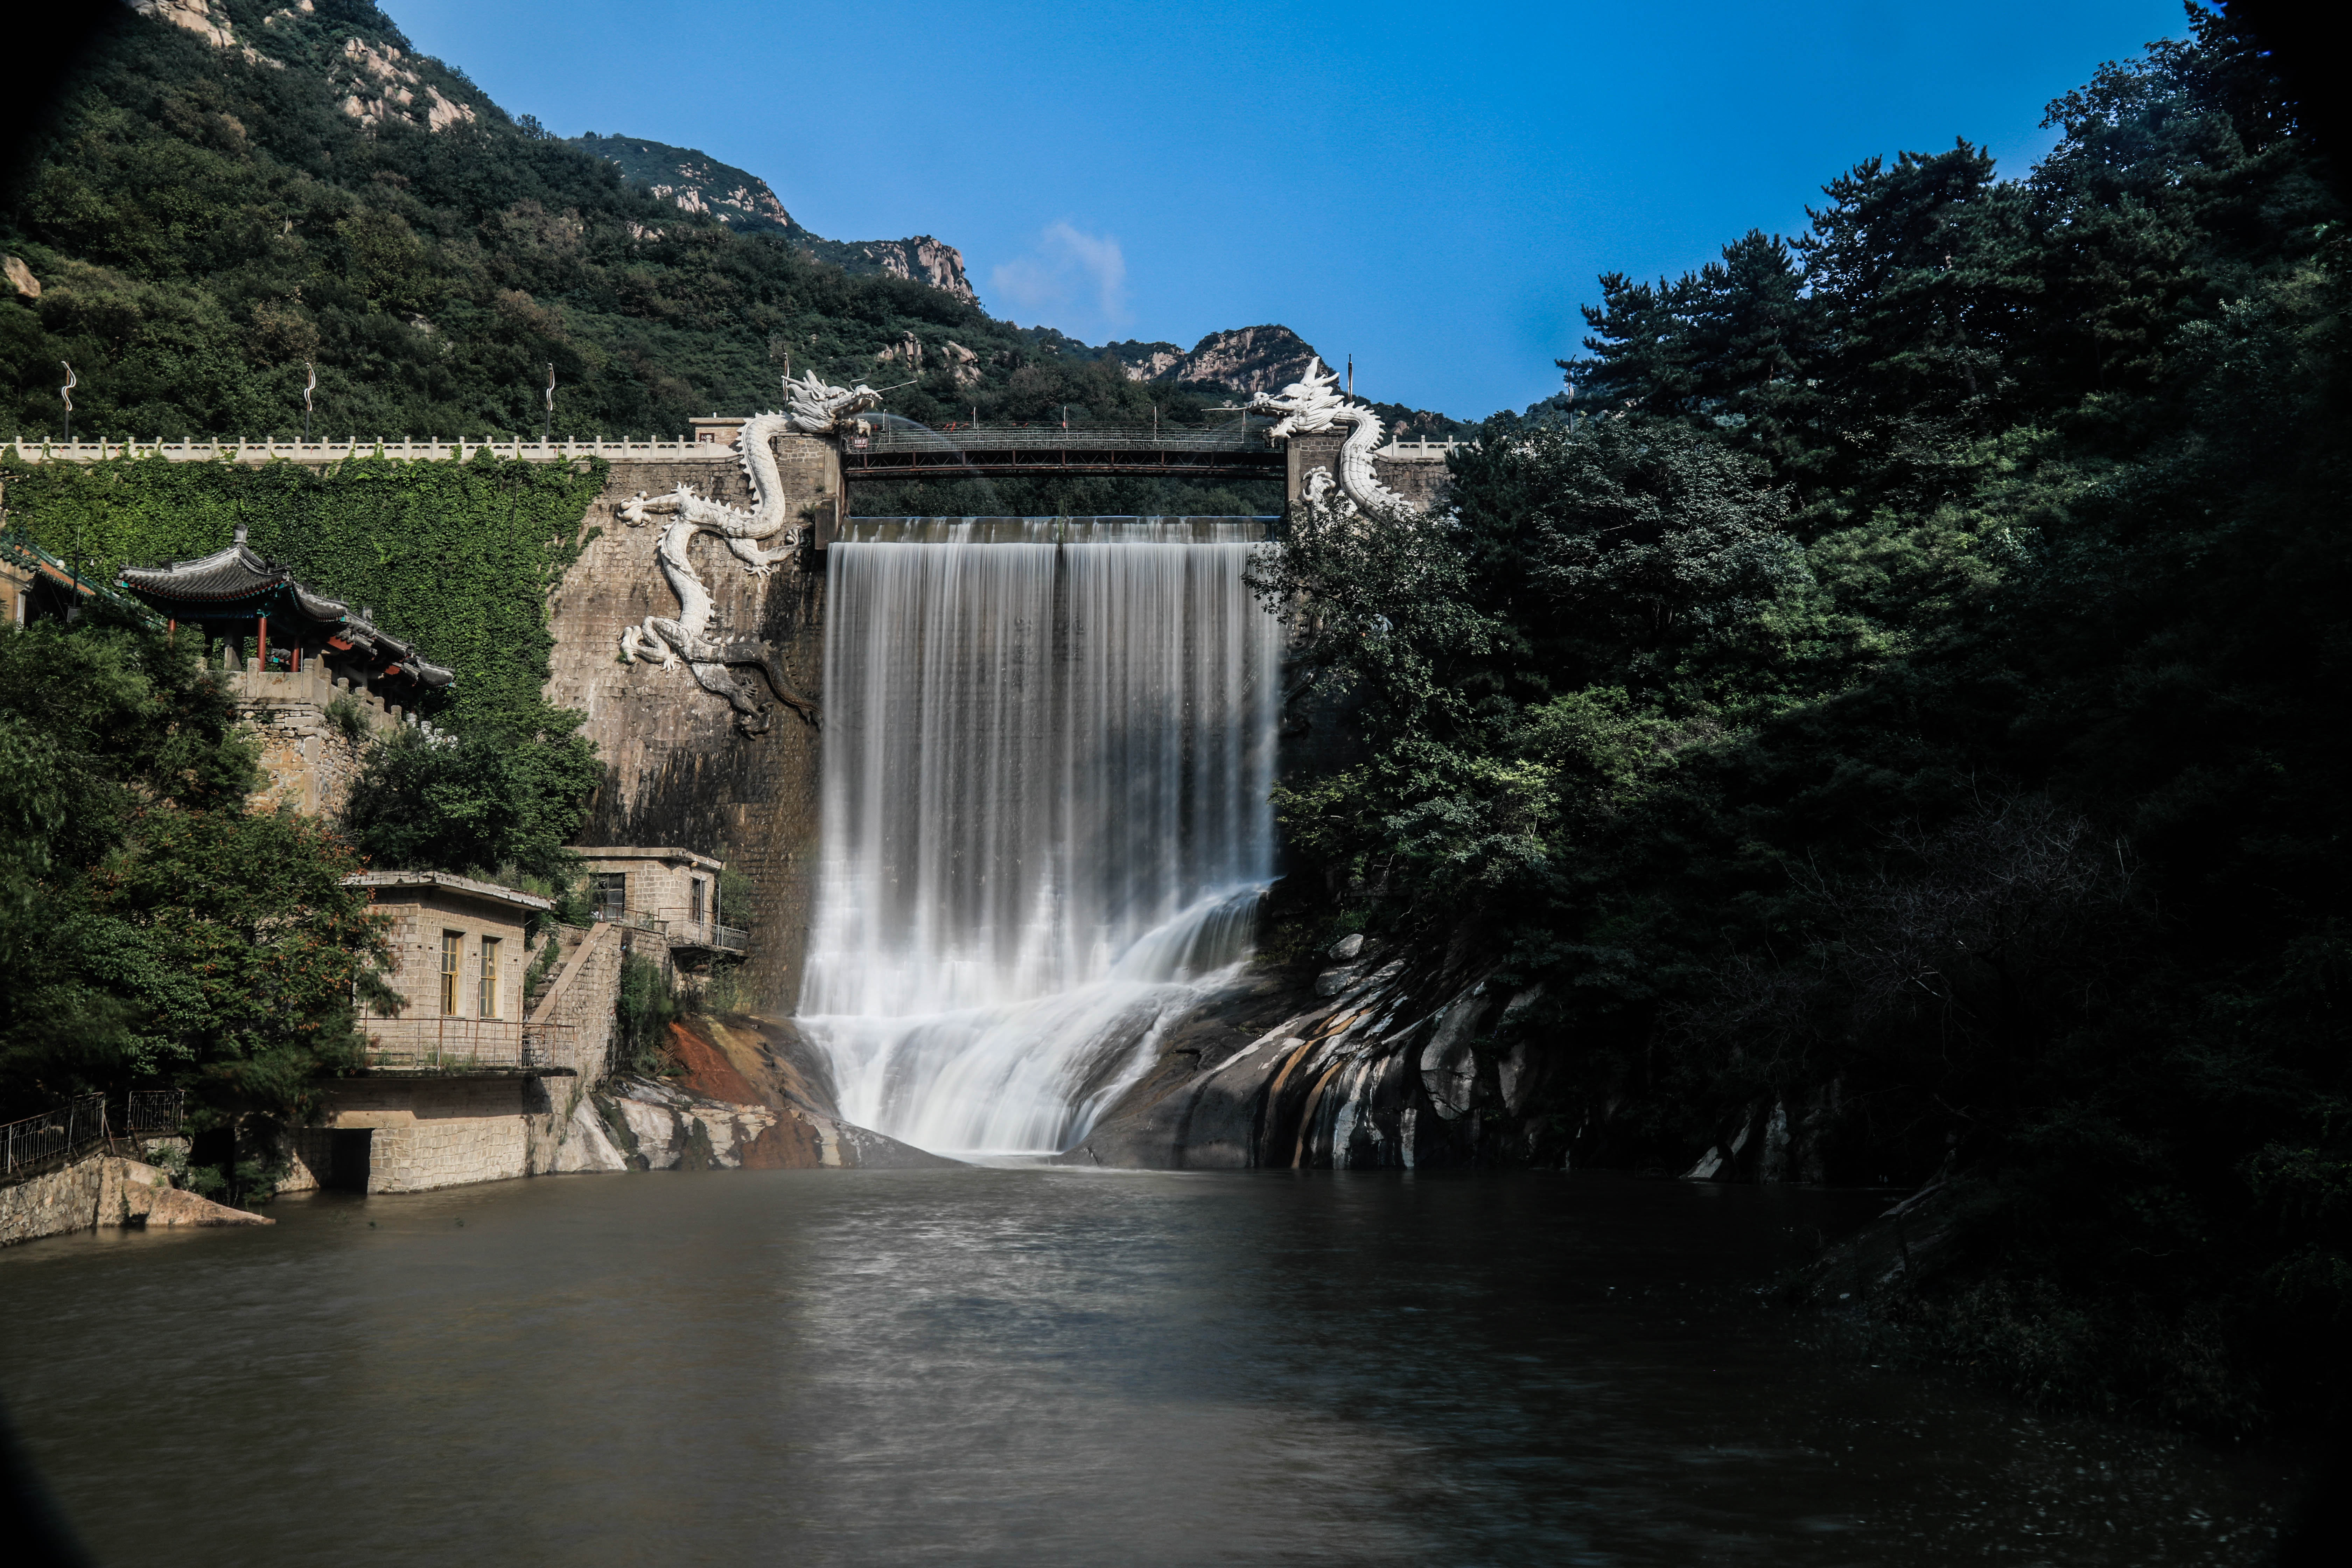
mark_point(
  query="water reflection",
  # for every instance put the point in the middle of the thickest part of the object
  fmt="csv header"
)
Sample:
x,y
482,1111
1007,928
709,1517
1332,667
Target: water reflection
x,y
1036,1367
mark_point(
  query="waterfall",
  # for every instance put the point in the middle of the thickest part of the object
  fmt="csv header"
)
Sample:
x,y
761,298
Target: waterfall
x,y
1045,825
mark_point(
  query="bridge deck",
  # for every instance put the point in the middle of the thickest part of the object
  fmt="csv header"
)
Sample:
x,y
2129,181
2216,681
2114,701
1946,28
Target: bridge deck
x,y
902,450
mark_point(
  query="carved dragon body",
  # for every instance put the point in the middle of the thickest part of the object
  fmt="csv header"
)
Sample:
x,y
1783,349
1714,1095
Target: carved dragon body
x,y
1314,403
813,409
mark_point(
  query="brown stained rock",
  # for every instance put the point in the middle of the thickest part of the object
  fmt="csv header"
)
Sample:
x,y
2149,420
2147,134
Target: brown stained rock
x,y
766,1063
789,1143
708,1070
21,279
730,1061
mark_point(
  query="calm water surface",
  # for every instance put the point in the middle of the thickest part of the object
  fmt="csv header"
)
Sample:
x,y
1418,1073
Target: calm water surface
x,y
1036,1367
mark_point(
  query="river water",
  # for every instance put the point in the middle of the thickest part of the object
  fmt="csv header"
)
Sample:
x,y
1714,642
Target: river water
x,y
1028,1366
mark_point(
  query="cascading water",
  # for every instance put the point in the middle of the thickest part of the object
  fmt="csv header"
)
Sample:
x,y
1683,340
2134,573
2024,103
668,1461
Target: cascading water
x,y
1045,820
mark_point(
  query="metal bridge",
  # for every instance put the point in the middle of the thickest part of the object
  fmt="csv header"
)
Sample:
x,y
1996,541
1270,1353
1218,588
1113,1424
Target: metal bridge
x,y
890,448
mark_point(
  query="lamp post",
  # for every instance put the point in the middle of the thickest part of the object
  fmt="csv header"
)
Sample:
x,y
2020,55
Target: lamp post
x,y
547,423
65,392
309,387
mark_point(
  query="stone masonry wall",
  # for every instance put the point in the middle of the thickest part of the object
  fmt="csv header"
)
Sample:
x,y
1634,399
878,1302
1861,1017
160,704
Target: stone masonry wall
x,y
309,760
1420,480
51,1204
678,772
583,994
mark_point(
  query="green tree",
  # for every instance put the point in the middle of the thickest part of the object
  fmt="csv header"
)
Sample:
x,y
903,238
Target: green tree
x,y
155,929
485,799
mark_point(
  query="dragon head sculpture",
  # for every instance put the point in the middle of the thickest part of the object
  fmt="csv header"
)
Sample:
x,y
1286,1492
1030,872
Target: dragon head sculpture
x,y
1308,405
817,409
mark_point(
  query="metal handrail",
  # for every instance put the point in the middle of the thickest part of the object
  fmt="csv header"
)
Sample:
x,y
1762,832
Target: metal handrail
x,y
153,1112
463,1045
58,1134
1237,436
731,939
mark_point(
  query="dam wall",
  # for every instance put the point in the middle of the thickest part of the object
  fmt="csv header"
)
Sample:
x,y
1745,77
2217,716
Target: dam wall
x,y
678,770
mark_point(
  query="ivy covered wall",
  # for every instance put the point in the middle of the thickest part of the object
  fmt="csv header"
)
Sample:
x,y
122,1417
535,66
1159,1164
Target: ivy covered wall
x,y
458,557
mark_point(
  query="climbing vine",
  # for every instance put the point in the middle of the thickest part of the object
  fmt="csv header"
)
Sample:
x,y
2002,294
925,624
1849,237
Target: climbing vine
x,y
458,557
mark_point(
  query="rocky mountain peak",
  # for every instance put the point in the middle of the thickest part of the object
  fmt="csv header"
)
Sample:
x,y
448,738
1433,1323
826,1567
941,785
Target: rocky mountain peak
x,y
1244,360
700,183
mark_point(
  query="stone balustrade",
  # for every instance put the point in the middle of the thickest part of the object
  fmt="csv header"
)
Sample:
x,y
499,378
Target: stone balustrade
x,y
432,449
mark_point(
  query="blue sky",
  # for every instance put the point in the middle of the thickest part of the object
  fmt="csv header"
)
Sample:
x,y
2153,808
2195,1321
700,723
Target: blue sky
x,y
1431,188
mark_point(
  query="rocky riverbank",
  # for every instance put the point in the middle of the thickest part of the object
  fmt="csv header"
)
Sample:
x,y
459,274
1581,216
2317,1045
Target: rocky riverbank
x,y
103,1190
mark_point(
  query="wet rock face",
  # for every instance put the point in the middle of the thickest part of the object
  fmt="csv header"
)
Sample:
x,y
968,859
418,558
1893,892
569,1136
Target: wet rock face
x,y
750,1094
1374,1057
1375,1062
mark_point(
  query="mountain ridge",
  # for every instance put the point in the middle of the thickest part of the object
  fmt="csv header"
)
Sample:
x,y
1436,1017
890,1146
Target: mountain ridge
x,y
223,197
700,183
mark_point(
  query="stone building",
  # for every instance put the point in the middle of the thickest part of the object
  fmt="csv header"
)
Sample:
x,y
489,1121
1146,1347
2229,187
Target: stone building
x,y
676,890
459,960
465,1085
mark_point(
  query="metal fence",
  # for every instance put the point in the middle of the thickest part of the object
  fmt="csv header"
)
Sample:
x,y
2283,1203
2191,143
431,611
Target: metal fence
x,y
467,1045
731,939
57,1135
894,435
635,919
153,1112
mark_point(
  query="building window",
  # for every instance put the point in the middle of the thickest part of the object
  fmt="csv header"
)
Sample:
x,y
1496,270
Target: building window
x,y
490,977
610,891
696,917
453,950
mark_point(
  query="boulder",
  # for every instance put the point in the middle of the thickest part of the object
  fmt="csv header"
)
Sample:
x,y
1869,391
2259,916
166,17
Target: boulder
x,y
132,1193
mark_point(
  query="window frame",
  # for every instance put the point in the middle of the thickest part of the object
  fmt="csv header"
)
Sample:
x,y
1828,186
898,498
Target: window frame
x,y
453,963
487,984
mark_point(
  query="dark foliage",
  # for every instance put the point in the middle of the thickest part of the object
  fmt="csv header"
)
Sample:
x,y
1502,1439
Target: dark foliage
x,y
482,800
153,927
1905,687
205,226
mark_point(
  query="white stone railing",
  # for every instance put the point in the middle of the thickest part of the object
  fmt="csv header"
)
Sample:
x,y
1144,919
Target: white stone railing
x,y
429,450
1420,451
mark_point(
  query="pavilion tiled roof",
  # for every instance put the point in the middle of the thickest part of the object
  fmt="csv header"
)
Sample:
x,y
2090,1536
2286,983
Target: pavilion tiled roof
x,y
236,584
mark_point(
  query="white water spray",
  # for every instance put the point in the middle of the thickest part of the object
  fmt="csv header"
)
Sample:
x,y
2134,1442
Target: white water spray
x,y
1044,815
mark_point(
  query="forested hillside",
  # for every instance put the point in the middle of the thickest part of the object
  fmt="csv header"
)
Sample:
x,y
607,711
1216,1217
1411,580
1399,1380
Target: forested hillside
x,y
214,205
1900,713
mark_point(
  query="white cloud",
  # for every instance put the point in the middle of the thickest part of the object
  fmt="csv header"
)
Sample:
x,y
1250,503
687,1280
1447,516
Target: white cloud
x,y
1066,268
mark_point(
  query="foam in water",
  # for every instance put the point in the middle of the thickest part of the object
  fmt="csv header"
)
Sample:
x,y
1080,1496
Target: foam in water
x,y
1044,818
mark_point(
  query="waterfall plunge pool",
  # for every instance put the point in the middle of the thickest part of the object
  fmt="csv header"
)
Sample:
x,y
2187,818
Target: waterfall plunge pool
x,y
1036,1368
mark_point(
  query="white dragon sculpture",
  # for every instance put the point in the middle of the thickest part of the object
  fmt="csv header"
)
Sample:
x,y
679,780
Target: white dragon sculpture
x,y
812,409
1314,403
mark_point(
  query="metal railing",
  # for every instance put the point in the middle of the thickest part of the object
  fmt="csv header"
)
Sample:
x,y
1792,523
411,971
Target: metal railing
x,y
153,1112
57,1135
1234,434
467,1045
634,919
731,939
